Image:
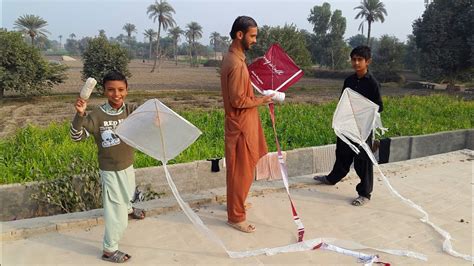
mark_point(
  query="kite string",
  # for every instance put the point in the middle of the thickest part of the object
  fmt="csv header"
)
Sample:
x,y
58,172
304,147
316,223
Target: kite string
x,y
284,173
353,112
165,160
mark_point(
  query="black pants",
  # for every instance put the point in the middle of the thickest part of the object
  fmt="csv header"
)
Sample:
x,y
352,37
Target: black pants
x,y
362,164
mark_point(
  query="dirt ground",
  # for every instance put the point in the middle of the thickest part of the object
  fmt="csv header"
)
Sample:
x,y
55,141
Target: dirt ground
x,y
180,87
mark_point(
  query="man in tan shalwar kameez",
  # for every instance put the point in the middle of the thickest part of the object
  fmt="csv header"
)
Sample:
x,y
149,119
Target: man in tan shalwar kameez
x,y
244,139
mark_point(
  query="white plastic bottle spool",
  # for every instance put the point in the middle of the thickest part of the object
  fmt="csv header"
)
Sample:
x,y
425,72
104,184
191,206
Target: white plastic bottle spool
x,y
87,88
278,96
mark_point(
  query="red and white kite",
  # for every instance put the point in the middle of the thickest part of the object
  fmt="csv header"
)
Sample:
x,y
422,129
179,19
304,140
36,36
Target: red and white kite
x,y
274,71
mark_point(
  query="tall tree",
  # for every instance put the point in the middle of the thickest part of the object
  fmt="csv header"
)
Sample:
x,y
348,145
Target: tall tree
x,y
225,43
327,44
163,12
388,59
189,39
371,11
335,40
195,32
320,17
32,25
175,33
60,41
72,36
357,40
412,54
129,28
215,39
102,33
445,37
150,34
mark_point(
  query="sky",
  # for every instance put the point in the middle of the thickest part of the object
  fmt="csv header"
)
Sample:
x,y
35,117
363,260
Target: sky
x,y
87,17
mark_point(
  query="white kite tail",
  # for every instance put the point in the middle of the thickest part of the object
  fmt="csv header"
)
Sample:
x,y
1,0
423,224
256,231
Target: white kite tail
x,y
284,174
447,246
198,223
346,140
193,217
343,247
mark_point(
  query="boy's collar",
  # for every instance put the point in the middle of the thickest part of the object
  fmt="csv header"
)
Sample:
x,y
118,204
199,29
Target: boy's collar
x,y
366,75
109,109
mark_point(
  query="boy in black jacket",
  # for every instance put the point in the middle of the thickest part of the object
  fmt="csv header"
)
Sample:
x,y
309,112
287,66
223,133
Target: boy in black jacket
x,y
364,83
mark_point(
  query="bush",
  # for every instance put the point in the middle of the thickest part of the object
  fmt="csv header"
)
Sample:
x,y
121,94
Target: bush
x,y
23,69
213,63
100,57
389,76
387,60
329,74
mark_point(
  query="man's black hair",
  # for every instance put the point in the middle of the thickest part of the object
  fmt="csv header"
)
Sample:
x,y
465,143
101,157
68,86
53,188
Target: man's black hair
x,y
242,23
114,75
362,51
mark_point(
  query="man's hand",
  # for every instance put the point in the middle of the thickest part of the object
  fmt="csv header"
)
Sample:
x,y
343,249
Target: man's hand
x,y
267,99
81,106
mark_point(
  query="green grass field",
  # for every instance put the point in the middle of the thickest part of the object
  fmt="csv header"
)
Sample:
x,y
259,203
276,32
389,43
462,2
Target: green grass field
x,y
35,153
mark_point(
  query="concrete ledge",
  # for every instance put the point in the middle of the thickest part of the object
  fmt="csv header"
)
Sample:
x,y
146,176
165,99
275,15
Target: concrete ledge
x,y
400,149
437,143
324,158
299,162
196,177
19,229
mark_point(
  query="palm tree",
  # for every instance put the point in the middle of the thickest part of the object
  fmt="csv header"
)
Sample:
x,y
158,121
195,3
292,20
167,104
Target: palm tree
x,y
189,39
372,11
175,33
60,41
195,32
162,12
129,28
225,42
215,40
150,34
361,27
102,33
32,25
72,36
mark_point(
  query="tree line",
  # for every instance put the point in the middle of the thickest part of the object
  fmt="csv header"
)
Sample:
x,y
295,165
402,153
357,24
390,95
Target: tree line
x,y
440,47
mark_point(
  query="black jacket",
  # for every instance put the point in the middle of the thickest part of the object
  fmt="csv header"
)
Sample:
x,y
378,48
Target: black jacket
x,y
368,86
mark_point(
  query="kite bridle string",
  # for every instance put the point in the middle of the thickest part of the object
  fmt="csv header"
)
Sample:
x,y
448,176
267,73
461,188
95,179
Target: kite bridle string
x,y
161,134
352,108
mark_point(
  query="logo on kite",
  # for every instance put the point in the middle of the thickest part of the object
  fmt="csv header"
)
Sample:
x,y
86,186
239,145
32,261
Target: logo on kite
x,y
274,71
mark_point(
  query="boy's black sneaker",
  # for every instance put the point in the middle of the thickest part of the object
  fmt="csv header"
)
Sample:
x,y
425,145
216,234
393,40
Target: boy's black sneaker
x,y
322,179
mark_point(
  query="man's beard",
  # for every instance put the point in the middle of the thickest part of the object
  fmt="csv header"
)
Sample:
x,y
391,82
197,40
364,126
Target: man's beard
x,y
246,45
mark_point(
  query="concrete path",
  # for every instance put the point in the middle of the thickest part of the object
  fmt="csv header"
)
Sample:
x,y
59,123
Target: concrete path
x,y
441,184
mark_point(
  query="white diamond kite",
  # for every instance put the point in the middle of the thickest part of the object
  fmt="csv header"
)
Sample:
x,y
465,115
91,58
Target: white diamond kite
x,y
157,131
354,120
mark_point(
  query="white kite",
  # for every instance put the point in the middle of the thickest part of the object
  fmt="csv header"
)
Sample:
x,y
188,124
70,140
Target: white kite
x,y
354,120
